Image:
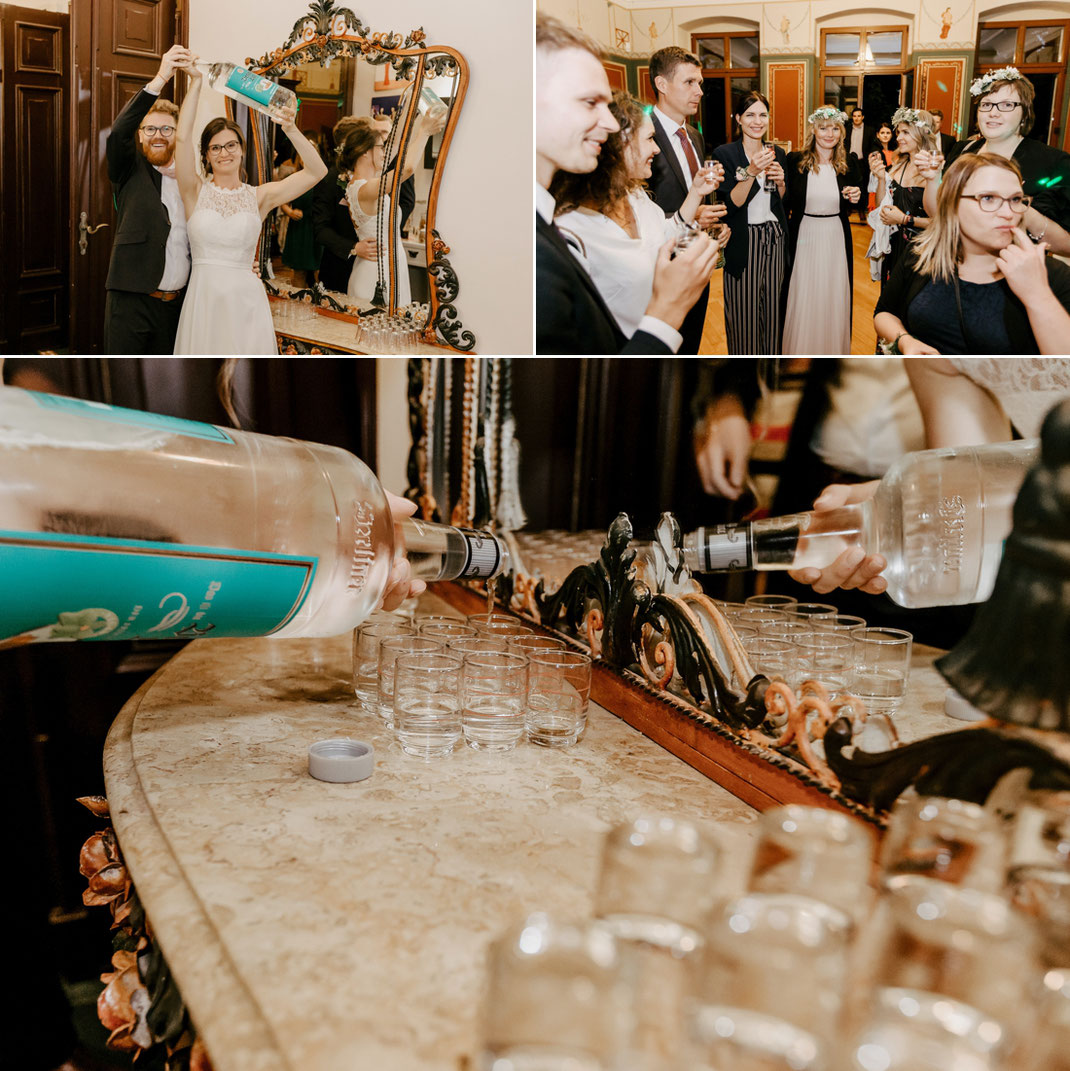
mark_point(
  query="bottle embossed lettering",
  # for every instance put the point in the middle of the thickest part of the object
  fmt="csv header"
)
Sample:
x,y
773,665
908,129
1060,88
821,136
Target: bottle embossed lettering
x,y
939,517
116,524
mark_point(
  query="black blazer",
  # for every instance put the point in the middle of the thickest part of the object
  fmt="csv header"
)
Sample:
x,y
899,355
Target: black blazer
x,y
333,229
667,184
947,143
732,156
869,144
795,204
570,315
142,224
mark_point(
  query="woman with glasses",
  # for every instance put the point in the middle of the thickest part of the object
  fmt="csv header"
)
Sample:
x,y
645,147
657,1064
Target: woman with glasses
x,y
1004,117
361,166
973,282
226,308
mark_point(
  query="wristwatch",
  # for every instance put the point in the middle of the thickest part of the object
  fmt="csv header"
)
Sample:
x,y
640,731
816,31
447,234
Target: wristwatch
x,y
742,174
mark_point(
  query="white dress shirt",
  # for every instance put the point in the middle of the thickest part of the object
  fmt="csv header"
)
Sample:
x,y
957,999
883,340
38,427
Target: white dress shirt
x,y
857,133
176,266
670,126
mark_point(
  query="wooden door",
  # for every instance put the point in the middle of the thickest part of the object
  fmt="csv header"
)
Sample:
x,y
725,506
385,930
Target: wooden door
x,y
34,220
117,49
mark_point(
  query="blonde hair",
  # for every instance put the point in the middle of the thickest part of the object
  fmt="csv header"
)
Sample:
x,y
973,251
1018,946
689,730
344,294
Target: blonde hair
x,y
922,132
939,249
168,107
808,160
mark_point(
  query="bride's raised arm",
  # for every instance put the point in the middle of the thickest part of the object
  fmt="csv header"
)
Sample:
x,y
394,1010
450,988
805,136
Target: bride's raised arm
x,y
272,194
189,182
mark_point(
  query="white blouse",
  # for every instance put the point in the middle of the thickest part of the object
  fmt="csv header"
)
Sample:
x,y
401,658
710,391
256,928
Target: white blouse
x,y
621,267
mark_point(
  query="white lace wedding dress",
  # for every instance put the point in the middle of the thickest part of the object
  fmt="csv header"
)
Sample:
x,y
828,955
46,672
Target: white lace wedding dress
x,y
226,309
362,278
1028,388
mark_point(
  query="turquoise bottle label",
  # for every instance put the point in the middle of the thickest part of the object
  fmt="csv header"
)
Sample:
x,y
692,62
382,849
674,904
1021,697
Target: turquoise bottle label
x,y
114,414
70,587
252,85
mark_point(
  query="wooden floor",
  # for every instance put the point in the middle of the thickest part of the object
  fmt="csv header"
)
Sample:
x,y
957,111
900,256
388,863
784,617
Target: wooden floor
x,y
863,337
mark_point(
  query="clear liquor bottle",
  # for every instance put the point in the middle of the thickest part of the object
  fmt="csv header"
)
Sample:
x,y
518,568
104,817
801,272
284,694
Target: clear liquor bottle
x,y
939,518
116,524
249,88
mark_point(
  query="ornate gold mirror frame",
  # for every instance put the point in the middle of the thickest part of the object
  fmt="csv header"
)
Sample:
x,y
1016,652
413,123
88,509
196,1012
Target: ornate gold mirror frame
x,y
328,32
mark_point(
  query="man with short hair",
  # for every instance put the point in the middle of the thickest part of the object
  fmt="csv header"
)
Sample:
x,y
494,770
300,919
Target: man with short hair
x,y
573,120
150,259
677,79
946,140
861,141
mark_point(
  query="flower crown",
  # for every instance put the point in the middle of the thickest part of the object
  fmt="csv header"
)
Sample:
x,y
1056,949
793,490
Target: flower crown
x,y
910,115
827,114
982,85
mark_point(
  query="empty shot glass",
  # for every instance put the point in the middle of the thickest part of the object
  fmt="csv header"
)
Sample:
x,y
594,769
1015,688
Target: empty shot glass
x,y
559,691
811,612
389,650
771,602
530,642
446,630
882,667
494,697
366,640
427,703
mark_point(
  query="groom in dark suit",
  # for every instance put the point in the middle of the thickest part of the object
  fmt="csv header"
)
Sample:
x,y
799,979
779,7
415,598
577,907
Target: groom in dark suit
x,y
150,260
572,121
677,80
861,140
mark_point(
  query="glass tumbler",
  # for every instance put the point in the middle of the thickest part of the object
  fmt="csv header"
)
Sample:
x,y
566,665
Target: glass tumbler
x,y
447,631
494,695
771,602
828,657
882,667
555,999
366,640
427,703
814,852
389,650
559,691
947,839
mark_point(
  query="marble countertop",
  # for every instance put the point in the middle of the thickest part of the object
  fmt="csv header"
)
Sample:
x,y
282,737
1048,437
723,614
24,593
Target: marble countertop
x,y
324,927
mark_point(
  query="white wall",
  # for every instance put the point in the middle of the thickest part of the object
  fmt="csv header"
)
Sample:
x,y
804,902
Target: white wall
x,y
392,438
484,205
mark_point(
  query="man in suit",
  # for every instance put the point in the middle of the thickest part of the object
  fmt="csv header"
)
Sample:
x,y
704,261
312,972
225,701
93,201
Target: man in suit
x,y
677,79
573,120
150,260
861,141
945,140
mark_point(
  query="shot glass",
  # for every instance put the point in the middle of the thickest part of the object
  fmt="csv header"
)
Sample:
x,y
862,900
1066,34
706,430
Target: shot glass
x,y
657,882
366,640
494,697
555,998
447,630
771,602
814,852
947,839
389,650
775,658
840,623
882,667
828,657
530,642
771,959
811,612
559,691
465,645
427,703
499,628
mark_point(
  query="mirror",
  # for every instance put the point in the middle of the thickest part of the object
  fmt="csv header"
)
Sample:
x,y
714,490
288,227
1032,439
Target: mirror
x,y
339,68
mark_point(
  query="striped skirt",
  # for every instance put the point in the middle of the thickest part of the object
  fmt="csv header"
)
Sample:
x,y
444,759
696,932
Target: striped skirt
x,y
752,299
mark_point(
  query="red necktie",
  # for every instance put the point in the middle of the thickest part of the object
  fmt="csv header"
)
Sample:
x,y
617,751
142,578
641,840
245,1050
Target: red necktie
x,y
689,152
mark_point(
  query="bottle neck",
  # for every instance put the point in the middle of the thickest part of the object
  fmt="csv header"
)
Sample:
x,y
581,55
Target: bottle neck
x,y
723,547
445,552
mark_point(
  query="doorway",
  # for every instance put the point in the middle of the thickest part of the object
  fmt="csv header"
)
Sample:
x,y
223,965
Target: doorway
x,y
881,95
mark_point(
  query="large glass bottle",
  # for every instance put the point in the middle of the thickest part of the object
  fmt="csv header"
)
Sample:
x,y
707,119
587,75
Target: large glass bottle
x,y
249,88
116,524
939,518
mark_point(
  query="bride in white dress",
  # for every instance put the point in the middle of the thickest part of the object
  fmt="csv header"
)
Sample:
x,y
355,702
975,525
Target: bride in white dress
x,y
360,163
226,309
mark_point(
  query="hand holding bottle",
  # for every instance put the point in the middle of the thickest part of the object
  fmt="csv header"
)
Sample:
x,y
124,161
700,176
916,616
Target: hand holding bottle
x,y
853,568
401,585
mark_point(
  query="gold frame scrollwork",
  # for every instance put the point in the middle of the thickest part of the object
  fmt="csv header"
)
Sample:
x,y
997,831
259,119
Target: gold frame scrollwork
x,y
326,32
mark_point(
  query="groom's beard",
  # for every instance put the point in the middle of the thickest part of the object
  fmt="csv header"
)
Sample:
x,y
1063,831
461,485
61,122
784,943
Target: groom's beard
x,y
157,156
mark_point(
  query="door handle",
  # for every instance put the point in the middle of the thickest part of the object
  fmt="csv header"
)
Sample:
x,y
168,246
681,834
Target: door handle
x,y
84,230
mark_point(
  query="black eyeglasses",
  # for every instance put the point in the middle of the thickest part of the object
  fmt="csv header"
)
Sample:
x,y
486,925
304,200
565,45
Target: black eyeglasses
x,y
999,105
229,148
166,131
992,202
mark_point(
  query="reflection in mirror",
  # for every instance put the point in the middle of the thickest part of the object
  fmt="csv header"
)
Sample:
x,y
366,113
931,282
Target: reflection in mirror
x,y
382,110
